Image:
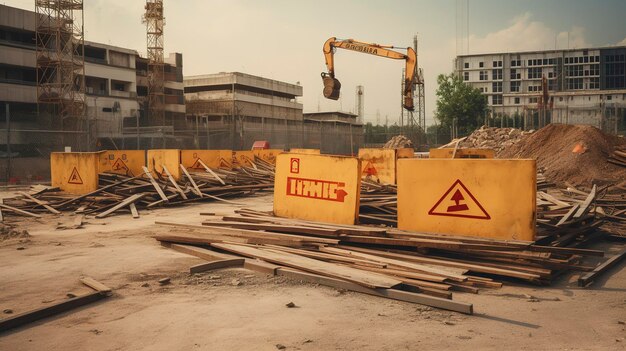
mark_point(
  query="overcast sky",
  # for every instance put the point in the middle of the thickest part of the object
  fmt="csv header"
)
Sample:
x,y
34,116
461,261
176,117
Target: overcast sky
x,y
283,40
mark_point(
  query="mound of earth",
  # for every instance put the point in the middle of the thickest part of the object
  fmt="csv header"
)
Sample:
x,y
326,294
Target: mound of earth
x,y
575,154
398,142
494,138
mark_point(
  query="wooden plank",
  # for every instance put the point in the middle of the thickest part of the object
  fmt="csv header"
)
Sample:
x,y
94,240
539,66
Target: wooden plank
x,y
156,185
275,228
1,215
193,182
122,204
110,186
211,172
588,278
568,215
133,210
372,280
422,299
203,267
585,205
17,210
96,285
171,179
47,311
39,202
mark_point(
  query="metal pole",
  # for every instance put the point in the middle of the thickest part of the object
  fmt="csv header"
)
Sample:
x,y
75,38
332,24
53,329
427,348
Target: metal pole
x,y
8,123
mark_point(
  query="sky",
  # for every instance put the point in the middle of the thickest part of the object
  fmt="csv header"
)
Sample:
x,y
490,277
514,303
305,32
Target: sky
x,y
283,40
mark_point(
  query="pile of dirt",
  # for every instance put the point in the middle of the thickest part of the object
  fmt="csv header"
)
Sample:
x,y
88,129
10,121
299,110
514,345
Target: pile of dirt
x,y
398,142
575,154
494,138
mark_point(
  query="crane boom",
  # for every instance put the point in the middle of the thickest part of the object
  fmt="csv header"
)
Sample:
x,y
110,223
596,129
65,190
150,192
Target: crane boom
x,y
332,86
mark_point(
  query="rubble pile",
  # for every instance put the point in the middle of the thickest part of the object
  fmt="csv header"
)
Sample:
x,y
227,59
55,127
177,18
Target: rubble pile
x,y
398,142
494,138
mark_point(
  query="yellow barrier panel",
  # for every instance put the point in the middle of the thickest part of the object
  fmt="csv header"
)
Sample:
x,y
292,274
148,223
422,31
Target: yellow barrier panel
x,y
318,188
169,158
378,165
242,158
462,153
480,198
305,151
267,155
125,162
405,153
75,172
211,158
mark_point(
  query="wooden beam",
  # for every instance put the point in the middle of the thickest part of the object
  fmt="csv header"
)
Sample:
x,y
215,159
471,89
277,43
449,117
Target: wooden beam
x,y
171,179
193,182
588,278
39,202
96,285
133,210
211,172
209,266
17,210
122,204
156,185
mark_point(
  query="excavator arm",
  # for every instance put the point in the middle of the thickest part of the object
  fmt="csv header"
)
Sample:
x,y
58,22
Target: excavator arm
x,y
332,86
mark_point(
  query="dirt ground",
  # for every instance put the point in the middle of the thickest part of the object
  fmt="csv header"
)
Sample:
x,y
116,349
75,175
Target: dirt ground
x,y
236,309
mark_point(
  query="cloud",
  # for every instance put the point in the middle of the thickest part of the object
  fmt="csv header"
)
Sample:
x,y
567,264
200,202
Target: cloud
x,y
525,34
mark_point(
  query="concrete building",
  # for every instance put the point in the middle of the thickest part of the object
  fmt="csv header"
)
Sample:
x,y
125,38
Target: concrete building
x,y
115,90
232,110
333,132
586,86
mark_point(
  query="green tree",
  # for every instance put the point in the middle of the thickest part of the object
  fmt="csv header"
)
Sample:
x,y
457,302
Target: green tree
x,y
459,101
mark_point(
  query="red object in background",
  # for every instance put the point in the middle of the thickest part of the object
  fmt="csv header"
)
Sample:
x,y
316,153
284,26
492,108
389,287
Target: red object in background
x,y
261,145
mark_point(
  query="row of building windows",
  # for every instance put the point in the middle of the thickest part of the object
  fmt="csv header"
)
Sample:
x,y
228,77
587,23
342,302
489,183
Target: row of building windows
x,y
541,62
614,58
582,59
535,73
613,69
482,64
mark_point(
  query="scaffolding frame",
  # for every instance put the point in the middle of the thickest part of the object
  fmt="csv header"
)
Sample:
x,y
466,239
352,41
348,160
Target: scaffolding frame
x,y
60,63
155,23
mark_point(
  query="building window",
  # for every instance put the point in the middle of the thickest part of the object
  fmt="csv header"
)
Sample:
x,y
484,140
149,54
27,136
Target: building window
x,y
496,87
575,84
535,73
466,76
517,101
609,97
497,64
515,87
496,74
516,63
466,65
480,64
496,100
532,100
484,75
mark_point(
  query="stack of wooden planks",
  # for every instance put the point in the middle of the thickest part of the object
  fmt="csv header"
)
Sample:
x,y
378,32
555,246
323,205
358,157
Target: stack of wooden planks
x,y
379,203
122,194
618,157
428,264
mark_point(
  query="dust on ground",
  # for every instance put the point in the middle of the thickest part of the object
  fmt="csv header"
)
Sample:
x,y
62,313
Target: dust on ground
x,y
237,309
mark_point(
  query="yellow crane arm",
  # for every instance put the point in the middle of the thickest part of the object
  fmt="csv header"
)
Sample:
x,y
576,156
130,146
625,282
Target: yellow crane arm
x,y
332,85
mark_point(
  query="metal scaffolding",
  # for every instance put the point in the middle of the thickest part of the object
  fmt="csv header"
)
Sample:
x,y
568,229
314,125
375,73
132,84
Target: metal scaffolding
x,y
155,21
360,103
61,63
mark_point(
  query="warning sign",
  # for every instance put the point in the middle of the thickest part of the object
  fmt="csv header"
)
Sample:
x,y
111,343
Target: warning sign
x,y
458,201
197,164
370,170
119,166
317,188
75,177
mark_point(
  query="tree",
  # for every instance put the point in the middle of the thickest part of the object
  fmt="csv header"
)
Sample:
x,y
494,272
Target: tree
x,y
459,101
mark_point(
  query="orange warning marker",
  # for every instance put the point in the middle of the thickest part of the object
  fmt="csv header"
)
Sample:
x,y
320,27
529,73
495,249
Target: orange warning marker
x,y
75,177
120,166
458,201
370,170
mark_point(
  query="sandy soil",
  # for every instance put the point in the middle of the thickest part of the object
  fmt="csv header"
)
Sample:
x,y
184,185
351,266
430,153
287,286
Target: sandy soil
x,y
236,309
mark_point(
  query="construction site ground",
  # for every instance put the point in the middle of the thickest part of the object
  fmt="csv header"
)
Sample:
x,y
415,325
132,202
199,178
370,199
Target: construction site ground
x,y
236,309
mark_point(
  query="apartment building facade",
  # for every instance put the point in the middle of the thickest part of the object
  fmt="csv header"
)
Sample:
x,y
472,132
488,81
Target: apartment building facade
x,y
585,86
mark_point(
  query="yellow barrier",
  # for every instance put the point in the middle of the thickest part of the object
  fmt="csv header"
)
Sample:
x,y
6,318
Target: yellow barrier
x,y
267,155
75,172
318,188
378,165
125,162
405,153
193,159
305,151
480,198
462,153
242,158
170,158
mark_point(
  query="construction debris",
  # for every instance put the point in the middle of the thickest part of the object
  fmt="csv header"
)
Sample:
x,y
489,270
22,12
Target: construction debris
x,y
497,139
398,142
118,193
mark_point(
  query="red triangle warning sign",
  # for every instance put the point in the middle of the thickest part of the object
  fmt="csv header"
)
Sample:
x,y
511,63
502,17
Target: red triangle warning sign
x,y
119,166
458,201
75,177
197,164
370,170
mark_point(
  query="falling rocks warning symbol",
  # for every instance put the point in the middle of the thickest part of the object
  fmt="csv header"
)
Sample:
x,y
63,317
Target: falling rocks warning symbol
x,y
458,201
75,177
120,166
370,170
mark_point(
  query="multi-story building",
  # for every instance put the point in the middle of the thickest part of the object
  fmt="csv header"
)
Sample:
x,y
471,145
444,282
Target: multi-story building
x,y
585,86
115,90
232,110
333,132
